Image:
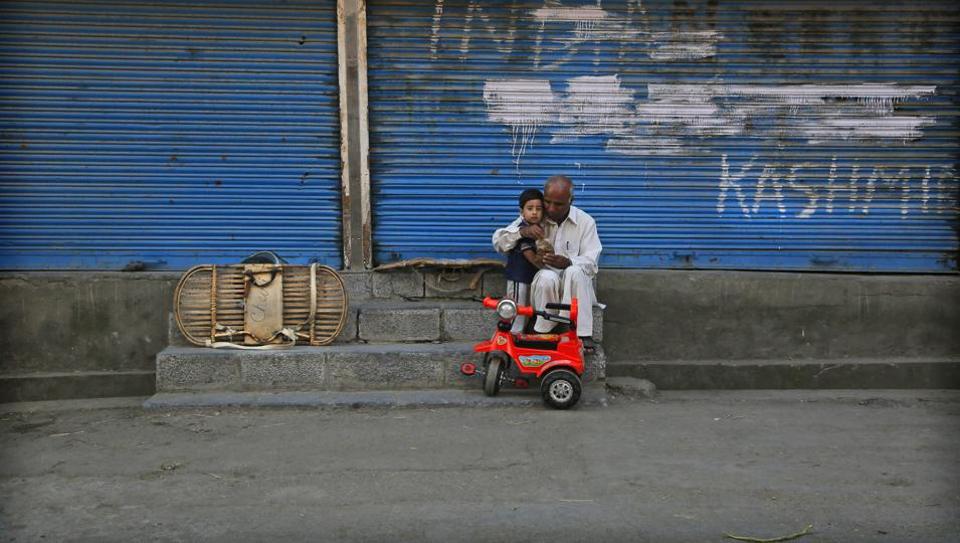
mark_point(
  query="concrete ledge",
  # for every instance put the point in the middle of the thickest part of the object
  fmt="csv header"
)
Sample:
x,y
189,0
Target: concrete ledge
x,y
66,386
386,366
375,366
795,374
391,370
726,315
593,396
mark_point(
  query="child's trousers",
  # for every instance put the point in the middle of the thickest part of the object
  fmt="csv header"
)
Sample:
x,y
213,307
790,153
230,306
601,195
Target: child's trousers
x,y
520,293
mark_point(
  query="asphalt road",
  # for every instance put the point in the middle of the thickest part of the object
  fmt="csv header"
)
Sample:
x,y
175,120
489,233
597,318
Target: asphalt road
x,y
857,466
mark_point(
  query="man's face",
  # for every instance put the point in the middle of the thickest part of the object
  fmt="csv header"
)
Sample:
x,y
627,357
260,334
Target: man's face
x,y
556,201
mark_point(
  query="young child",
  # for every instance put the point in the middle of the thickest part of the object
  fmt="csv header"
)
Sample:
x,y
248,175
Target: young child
x,y
523,261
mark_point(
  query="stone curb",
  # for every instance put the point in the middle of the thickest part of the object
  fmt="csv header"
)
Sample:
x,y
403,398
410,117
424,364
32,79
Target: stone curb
x,y
593,396
356,367
893,373
631,386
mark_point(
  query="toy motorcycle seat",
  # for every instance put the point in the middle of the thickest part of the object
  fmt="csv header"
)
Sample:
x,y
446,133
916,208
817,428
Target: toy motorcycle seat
x,y
537,341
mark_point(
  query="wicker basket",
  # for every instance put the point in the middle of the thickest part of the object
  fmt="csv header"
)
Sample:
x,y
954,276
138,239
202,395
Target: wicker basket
x,y
211,306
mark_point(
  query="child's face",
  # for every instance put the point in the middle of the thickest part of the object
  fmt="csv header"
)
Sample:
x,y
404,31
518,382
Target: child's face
x,y
532,211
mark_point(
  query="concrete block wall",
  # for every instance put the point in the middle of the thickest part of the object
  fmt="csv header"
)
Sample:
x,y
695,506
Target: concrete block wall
x,y
406,284
668,315
435,315
69,322
81,334
88,334
383,309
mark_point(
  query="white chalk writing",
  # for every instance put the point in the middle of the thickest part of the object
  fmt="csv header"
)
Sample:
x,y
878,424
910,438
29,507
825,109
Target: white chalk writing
x,y
899,185
522,104
594,105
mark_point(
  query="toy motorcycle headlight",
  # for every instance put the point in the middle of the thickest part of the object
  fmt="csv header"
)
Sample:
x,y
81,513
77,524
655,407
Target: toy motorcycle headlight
x,y
507,309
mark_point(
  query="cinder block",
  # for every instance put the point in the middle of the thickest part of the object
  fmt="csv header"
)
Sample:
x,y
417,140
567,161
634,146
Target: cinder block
x,y
596,366
186,371
349,331
597,323
452,284
494,284
383,371
468,324
347,334
396,324
174,337
397,284
359,285
280,371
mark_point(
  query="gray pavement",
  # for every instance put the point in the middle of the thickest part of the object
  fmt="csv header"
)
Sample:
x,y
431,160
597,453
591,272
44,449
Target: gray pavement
x,y
687,466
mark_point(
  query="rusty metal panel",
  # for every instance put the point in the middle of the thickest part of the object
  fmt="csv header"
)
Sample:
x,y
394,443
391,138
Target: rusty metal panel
x,y
753,134
161,134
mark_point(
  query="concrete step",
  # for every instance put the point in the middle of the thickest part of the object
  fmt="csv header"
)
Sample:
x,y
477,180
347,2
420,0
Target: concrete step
x,y
337,367
422,320
594,395
872,373
38,386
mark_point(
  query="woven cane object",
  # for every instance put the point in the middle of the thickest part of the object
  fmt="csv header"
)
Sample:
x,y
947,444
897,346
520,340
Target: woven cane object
x,y
209,304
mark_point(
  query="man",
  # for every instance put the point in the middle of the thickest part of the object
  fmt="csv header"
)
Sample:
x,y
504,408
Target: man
x,y
569,272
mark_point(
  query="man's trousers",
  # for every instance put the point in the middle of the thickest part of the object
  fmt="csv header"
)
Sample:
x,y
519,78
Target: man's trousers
x,y
550,287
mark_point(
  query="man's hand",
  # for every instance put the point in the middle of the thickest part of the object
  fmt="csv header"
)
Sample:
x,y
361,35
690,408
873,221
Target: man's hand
x,y
533,231
556,261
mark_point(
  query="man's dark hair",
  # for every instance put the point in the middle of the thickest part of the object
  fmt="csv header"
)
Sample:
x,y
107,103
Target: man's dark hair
x,y
530,194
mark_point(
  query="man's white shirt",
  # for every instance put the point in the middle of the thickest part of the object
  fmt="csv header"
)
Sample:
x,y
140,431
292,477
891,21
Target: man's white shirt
x,y
576,238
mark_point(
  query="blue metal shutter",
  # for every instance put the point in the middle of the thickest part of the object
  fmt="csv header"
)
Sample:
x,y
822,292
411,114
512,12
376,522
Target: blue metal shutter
x,y
708,134
169,133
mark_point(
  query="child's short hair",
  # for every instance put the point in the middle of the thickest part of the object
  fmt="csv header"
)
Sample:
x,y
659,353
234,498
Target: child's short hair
x,y
530,194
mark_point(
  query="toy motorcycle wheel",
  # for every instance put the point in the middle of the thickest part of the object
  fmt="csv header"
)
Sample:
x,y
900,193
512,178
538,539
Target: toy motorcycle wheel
x,y
491,381
561,389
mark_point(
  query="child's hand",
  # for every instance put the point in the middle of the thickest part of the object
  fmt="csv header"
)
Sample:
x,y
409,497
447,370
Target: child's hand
x,y
533,258
556,261
534,231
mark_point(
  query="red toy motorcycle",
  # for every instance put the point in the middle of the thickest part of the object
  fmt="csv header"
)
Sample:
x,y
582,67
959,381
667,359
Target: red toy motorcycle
x,y
556,360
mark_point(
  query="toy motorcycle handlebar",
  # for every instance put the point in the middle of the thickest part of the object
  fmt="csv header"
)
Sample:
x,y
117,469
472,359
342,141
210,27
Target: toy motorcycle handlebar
x,y
525,310
528,311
